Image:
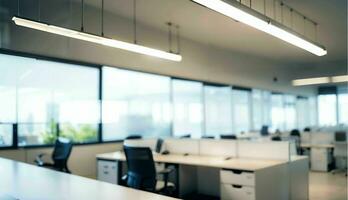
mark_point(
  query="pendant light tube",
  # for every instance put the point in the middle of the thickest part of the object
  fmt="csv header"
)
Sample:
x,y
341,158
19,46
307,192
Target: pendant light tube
x,y
262,23
96,39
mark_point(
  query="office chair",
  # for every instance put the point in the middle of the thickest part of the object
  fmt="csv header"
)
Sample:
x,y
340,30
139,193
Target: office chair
x,y
60,156
185,136
307,129
207,137
134,137
264,131
276,138
142,172
296,136
228,137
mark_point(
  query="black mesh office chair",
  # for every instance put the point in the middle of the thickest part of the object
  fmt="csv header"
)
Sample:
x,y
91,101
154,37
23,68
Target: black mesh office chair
x,y
133,137
142,172
186,136
208,137
276,138
228,137
296,135
60,156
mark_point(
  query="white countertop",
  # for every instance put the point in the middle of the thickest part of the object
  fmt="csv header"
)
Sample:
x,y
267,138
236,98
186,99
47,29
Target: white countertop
x,y
27,182
207,161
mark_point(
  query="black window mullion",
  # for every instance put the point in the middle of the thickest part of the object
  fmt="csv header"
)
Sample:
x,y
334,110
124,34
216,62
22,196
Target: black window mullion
x,y
100,98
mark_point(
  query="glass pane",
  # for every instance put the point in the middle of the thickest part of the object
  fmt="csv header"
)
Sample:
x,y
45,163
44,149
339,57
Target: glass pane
x,y
6,135
290,112
218,111
327,110
49,93
241,111
257,109
7,89
135,104
277,113
36,133
79,133
343,108
313,114
188,109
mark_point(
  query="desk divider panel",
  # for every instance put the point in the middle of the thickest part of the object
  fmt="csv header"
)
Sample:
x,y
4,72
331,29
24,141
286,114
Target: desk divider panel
x,y
209,147
182,146
322,138
264,150
305,137
151,143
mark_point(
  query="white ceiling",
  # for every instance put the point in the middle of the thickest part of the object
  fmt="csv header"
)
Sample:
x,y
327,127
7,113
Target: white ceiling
x,y
205,26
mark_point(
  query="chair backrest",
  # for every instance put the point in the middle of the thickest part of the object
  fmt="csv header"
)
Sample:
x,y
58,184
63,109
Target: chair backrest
x,y
264,131
276,138
141,168
295,133
133,137
186,136
307,129
61,152
207,137
229,137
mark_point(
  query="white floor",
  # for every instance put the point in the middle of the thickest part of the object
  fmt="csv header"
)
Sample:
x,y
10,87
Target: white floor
x,y
327,186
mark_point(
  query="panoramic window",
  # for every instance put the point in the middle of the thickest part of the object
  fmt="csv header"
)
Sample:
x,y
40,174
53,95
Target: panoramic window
x,y
188,109
135,103
218,111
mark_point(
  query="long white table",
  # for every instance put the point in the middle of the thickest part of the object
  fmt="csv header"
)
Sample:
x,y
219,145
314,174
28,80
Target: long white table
x,y
23,181
236,178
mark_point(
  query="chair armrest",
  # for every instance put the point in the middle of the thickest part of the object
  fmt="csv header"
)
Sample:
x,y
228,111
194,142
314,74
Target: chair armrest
x,y
38,160
165,171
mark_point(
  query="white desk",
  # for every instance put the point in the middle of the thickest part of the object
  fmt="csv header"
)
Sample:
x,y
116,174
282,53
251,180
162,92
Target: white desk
x,y
320,156
257,179
24,181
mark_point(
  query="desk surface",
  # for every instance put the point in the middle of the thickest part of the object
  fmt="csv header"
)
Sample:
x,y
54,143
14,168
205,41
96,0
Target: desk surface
x,y
206,161
328,146
24,181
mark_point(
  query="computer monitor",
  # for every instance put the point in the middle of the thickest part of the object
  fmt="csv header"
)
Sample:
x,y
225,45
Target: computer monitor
x,y
159,145
340,136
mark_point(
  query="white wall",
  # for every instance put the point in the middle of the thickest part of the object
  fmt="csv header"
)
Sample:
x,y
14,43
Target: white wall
x,y
201,62
82,160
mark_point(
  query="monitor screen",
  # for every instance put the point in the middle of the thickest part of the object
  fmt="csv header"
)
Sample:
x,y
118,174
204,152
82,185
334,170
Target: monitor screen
x,y
340,136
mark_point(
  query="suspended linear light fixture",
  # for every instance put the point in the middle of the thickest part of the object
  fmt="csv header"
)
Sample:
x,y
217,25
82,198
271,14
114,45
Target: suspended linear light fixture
x,y
81,35
237,12
339,79
311,81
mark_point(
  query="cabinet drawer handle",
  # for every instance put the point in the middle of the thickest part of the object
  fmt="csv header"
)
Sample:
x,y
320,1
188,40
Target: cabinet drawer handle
x,y
237,186
106,172
105,166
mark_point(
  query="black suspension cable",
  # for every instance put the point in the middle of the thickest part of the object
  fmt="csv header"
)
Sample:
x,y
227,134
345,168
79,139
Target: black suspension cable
x,y
102,18
170,36
82,15
135,21
178,39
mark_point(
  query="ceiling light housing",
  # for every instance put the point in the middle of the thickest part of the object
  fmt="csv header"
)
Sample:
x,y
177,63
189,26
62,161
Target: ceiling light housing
x,y
95,39
339,79
311,81
241,13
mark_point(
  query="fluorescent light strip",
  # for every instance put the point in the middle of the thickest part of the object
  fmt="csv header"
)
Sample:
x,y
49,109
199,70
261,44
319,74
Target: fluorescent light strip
x,y
240,15
311,81
96,39
339,79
